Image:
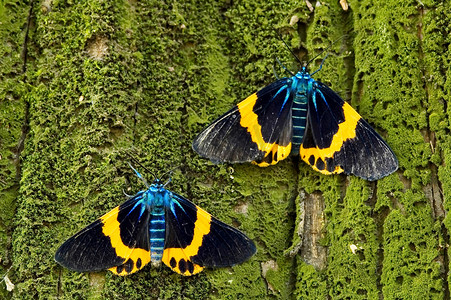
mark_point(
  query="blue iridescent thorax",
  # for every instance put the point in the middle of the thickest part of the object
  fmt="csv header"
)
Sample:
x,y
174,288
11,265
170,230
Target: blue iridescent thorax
x,y
157,197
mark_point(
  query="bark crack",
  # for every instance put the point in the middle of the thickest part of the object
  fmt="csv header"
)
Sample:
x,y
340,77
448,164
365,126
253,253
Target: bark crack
x,y
24,53
25,125
16,159
379,217
293,220
445,261
433,190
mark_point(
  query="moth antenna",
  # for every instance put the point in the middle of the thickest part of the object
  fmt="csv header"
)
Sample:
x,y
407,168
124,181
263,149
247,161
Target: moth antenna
x,y
167,182
285,68
170,174
321,65
127,195
289,49
141,165
139,175
327,49
275,73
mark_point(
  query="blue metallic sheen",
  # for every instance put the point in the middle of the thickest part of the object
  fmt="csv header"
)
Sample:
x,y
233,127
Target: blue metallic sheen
x,y
303,85
156,198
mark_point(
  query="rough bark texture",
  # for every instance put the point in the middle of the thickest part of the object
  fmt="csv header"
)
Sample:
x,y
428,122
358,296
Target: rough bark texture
x,y
84,83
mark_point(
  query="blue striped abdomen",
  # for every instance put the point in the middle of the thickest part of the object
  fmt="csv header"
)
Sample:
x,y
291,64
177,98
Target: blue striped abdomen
x,y
299,119
157,235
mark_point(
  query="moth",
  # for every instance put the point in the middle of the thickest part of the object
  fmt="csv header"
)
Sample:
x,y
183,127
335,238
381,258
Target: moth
x,y
155,225
298,115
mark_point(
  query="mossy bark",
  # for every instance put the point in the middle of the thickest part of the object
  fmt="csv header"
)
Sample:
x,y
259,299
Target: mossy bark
x,y
86,83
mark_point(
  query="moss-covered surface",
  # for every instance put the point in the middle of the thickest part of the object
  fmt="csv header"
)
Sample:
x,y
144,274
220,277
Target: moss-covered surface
x,y
13,111
101,79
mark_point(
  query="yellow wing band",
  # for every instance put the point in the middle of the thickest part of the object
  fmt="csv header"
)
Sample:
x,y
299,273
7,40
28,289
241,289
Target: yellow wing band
x,y
135,258
178,259
346,131
249,120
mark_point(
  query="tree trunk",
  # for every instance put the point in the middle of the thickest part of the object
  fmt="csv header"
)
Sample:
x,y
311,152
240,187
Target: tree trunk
x,y
84,85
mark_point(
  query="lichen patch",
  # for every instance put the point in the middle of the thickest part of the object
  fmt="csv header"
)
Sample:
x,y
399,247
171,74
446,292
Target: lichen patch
x,y
97,47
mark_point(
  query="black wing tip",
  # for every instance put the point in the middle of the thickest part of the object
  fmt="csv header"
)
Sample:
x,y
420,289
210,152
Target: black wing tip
x,y
376,175
250,251
59,256
247,250
388,169
58,259
77,263
65,264
216,159
240,258
71,266
196,146
62,261
236,249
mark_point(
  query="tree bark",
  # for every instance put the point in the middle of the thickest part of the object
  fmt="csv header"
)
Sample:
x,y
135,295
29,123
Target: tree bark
x,y
84,85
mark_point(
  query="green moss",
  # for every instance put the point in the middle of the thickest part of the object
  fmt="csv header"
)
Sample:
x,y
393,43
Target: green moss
x,y
77,110
410,243
113,77
310,284
353,245
401,73
240,282
438,84
161,283
13,18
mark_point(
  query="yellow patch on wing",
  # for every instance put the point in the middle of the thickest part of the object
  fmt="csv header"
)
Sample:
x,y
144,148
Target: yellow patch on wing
x,y
135,258
346,131
178,259
249,120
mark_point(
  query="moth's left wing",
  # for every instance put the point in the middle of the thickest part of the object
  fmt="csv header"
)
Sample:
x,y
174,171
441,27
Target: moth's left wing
x,y
258,129
118,241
